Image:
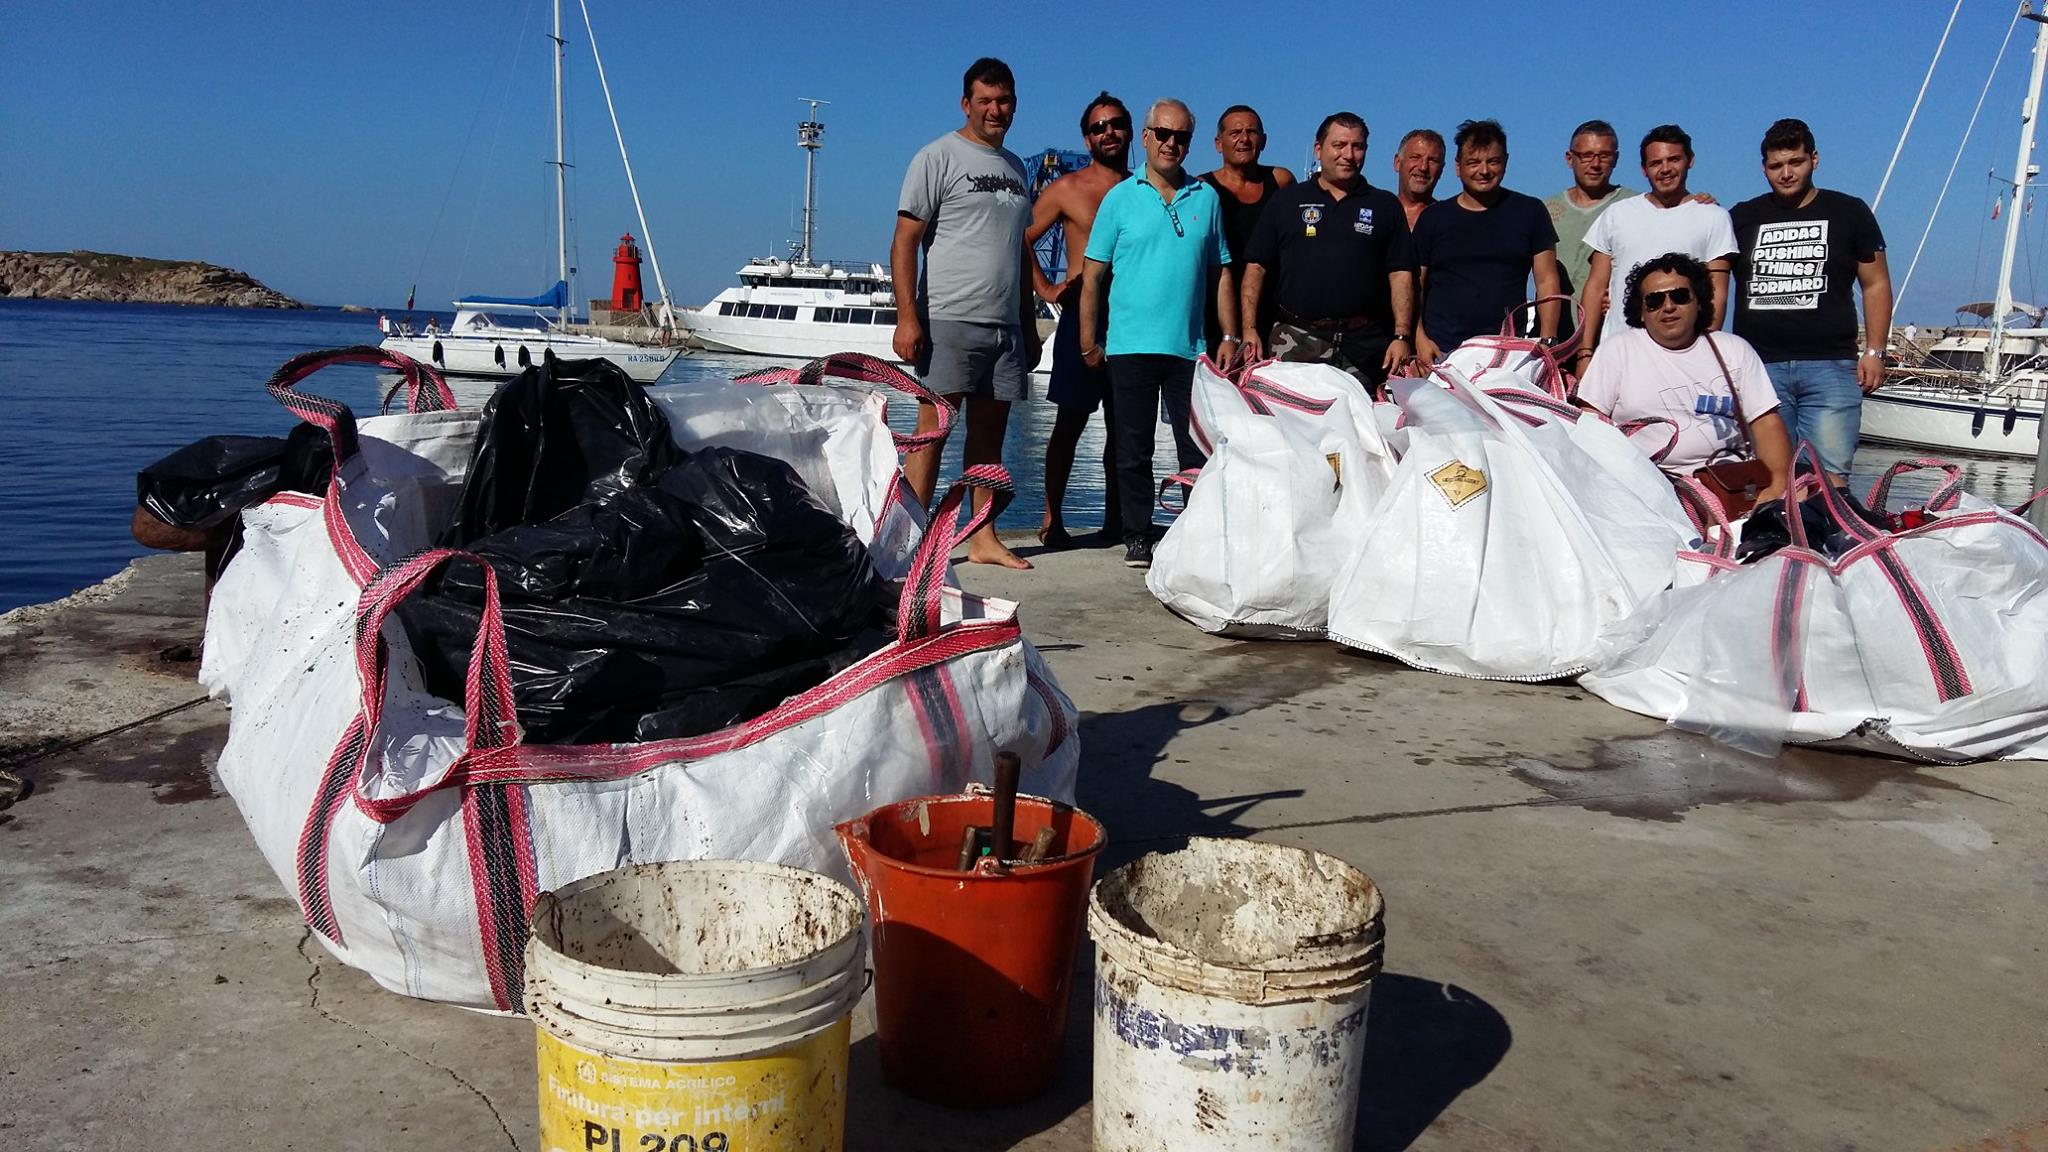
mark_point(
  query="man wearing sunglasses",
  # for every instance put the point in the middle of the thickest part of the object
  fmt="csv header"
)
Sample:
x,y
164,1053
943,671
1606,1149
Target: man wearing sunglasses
x,y
969,323
1156,246
1704,395
1076,388
1333,253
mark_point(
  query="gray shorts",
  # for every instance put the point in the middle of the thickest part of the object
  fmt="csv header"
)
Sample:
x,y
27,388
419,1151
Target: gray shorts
x,y
972,359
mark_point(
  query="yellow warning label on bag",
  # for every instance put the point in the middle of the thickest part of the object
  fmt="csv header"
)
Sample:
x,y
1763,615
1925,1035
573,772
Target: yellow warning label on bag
x,y
781,1102
1458,483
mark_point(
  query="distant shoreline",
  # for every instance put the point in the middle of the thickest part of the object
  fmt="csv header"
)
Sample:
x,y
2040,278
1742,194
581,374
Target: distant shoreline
x,y
116,279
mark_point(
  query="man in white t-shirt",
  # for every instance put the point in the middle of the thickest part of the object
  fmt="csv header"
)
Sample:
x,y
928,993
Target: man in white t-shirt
x,y
1697,387
1665,219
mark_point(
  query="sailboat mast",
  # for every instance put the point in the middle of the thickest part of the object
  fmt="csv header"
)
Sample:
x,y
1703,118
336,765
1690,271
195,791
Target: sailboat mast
x,y
561,173
2024,171
810,137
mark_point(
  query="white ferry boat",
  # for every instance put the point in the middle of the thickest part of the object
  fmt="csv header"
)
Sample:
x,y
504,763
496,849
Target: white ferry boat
x,y
799,308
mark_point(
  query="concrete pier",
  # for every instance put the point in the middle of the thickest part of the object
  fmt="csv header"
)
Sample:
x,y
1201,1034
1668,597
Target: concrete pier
x,y
1601,934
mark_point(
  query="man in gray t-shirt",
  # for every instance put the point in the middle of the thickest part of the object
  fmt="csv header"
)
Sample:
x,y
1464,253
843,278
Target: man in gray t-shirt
x,y
968,323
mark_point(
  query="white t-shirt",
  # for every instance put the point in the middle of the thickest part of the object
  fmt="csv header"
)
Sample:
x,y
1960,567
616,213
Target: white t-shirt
x,y
1632,377
1639,229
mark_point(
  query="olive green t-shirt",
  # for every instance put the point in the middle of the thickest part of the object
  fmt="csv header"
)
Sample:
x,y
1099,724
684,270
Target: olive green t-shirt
x,y
1574,256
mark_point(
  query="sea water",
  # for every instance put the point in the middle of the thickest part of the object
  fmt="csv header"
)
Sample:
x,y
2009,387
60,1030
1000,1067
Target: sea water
x,y
90,393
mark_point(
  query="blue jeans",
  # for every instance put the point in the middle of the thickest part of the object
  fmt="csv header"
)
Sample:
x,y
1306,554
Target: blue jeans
x,y
1820,401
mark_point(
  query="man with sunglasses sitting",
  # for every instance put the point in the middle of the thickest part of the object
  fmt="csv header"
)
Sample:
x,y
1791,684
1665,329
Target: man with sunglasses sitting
x,y
1699,388
1076,389
1333,254
1157,244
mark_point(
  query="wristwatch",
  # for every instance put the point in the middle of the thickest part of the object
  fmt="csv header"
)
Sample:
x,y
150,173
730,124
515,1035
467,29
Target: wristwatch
x,y
1402,338
1877,352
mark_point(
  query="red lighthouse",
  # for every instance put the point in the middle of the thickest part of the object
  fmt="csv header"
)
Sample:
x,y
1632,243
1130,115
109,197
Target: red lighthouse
x,y
626,276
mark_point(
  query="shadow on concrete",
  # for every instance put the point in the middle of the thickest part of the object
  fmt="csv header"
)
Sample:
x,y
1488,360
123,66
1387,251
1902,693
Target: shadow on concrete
x,y
1119,751
1425,1044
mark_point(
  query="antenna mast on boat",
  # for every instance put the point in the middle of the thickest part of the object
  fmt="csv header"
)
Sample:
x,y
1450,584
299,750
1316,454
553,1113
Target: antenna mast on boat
x,y
810,136
666,310
2024,171
561,173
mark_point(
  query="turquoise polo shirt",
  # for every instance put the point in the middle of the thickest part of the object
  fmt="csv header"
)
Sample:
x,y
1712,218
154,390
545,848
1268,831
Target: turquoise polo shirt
x,y
1161,257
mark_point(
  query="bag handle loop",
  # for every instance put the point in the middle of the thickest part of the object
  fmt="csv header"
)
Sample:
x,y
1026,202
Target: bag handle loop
x,y
865,369
918,613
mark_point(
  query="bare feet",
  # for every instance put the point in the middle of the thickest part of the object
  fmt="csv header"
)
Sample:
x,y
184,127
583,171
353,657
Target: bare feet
x,y
992,551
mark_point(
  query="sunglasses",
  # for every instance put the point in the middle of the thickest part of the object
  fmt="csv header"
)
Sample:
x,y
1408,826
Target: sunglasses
x,y
1112,124
1180,136
1654,301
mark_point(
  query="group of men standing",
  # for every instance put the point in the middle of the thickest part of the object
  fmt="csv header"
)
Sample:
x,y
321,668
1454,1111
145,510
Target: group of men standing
x,y
1244,263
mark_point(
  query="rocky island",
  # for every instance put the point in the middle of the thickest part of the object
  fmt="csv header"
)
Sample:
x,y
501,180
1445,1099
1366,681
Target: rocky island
x,y
131,280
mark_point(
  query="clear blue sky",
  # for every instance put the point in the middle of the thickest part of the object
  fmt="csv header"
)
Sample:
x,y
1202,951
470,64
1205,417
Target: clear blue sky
x,y
315,145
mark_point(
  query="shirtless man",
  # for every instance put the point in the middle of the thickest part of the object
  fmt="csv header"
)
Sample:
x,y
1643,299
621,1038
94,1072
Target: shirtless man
x,y
1076,388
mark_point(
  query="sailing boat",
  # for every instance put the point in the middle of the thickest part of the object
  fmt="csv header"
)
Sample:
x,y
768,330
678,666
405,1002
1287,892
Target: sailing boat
x,y
495,336
1979,390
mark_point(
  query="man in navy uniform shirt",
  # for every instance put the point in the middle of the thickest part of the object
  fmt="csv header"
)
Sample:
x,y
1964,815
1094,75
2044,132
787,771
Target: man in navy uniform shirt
x,y
1333,253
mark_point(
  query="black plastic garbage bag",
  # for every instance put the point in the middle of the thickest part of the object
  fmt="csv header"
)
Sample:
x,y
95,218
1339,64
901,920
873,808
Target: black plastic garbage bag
x,y
203,484
1767,529
560,434
668,609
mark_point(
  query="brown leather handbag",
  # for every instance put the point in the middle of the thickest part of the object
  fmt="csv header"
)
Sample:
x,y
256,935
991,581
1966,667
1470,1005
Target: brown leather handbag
x,y
1735,483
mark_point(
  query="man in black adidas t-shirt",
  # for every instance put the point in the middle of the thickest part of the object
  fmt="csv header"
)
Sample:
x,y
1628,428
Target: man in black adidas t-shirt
x,y
1803,248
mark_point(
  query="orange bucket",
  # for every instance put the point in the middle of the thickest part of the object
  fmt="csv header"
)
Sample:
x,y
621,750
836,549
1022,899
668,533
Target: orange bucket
x,y
972,969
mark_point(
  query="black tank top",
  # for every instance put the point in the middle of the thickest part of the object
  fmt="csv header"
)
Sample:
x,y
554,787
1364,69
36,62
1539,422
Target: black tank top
x,y
1238,216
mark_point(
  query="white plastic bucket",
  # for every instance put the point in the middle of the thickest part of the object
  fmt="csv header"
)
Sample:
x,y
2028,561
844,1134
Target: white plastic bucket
x,y
695,1005
1231,983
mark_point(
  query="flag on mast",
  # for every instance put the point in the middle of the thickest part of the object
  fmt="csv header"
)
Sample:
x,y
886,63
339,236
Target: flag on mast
x,y
409,295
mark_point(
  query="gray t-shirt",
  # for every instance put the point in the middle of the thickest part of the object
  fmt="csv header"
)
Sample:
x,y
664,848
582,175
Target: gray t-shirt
x,y
977,205
1574,255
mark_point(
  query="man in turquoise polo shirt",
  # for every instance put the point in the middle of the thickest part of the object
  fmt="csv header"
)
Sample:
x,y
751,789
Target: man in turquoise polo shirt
x,y
1158,243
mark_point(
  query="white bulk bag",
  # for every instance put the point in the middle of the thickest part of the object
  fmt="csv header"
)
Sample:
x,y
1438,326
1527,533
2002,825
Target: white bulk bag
x,y
415,833
828,420
1295,460
1502,548
1927,641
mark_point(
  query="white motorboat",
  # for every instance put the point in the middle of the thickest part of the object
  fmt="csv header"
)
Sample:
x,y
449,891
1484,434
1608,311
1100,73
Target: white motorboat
x,y
1976,389
491,336
800,308
499,336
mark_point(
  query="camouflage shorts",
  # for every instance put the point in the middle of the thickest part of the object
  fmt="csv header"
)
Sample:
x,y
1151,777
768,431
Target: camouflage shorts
x,y
1357,353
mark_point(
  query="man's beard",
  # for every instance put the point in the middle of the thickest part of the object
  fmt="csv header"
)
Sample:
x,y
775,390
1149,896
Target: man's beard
x,y
1115,161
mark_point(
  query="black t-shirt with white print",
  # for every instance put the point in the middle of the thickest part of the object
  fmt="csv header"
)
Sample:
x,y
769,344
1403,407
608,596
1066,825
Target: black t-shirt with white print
x,y
1796,279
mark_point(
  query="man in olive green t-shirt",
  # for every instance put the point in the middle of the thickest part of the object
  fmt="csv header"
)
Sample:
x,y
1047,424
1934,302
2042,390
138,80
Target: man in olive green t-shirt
x,y
1591,157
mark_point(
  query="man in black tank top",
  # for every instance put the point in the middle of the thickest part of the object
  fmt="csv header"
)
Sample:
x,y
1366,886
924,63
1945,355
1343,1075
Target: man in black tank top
x,y
1244,185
